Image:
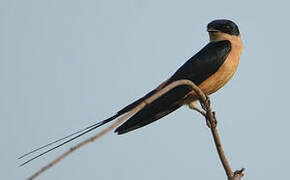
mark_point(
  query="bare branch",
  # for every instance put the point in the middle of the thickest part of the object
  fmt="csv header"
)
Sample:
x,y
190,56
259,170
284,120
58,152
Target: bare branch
x,y
91,139
212,122
209,115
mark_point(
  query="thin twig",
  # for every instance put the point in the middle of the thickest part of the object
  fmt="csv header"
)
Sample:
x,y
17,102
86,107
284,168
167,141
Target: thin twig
x,y
212,122
204,102
72,149
115,124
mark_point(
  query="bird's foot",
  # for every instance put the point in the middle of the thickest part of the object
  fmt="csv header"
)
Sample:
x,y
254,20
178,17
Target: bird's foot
x,y
194,105
205,104
211,122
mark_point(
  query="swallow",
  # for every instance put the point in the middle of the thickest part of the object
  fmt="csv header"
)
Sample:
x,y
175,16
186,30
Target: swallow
x,y
210,69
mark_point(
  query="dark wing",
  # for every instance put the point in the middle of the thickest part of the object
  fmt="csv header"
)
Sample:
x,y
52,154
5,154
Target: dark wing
x,y
203,64
197,69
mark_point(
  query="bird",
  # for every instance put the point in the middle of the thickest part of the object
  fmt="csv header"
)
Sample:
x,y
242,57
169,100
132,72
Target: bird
x,y
210,69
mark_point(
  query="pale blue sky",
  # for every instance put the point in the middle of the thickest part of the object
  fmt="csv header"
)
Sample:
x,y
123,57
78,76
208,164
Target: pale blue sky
x,y
65,64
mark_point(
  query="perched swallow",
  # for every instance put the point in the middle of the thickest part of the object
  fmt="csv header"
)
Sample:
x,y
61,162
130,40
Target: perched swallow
x,y
210,69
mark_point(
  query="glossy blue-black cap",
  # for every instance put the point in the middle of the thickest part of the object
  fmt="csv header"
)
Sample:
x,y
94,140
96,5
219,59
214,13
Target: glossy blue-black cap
x,y
223,25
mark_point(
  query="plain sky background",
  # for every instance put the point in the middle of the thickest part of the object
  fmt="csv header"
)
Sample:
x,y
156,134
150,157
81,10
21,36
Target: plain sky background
x,y
66,64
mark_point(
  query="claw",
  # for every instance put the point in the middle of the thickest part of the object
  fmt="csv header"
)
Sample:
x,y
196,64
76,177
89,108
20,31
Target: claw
x,y
209,123
205,104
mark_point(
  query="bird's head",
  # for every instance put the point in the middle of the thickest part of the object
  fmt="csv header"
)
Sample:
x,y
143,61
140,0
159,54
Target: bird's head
x,y
222,29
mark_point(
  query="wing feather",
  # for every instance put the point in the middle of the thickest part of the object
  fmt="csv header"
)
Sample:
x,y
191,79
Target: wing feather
x,y
197,69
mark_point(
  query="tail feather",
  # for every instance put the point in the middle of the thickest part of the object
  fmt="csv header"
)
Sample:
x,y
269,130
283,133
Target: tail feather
x,y
80,133
88,129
